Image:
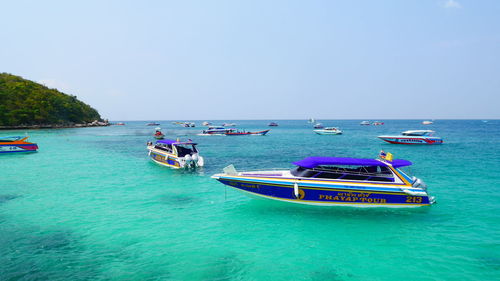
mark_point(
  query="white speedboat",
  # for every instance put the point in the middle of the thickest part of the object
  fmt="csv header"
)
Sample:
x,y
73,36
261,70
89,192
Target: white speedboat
x,y
328,131
175,154
427,122
365,123
413,137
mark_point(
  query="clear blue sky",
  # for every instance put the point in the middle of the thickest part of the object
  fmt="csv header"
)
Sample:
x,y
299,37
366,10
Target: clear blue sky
x,y
140,60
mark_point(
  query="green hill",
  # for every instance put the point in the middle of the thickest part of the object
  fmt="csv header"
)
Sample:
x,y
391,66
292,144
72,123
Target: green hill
x,y
26,103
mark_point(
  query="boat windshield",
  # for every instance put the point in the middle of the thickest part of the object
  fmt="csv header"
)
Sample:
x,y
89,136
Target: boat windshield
x,y
417,134
359,173
183,150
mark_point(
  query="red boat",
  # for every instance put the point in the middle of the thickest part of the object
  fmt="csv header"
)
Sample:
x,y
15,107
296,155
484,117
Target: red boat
x,y
244,133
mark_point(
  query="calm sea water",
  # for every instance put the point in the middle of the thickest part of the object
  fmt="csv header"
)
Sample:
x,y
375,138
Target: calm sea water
x,y
91,206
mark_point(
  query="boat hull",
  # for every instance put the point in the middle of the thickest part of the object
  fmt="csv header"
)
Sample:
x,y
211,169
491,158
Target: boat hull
x,y
309,194
17,148
324,132
412,140
260,133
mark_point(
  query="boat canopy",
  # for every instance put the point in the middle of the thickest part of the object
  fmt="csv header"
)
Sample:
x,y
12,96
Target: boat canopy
x,y
174,142
312,162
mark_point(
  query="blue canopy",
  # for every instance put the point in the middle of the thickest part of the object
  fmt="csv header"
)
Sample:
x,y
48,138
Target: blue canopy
x,y
174,142
312,162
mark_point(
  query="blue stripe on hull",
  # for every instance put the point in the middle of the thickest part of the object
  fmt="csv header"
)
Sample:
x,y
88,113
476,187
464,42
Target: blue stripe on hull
x,y
161,159
333,196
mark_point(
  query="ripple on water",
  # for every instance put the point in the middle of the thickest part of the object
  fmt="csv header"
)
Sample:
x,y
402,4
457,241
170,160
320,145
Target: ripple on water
x,y
7,197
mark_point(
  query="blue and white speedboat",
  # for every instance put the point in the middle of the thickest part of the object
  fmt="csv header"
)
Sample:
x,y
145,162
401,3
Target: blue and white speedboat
x,y
327,181
175,154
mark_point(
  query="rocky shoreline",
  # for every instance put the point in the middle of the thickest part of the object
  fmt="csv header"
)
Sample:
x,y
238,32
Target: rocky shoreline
x,y
95,123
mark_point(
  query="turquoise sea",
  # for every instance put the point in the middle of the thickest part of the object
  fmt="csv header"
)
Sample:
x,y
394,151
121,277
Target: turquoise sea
x,y
91,206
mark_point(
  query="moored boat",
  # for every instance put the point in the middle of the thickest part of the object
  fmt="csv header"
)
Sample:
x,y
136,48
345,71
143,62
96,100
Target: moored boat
x,y
328,131
318,126
158,134
16,144
413,137
245,133
216,131
175,154
328,181
273,124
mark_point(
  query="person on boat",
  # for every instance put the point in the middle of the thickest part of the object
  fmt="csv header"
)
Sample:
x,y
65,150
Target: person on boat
x,y
158,133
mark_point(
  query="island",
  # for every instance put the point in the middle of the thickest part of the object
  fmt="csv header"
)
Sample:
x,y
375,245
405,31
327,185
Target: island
x,y
25,104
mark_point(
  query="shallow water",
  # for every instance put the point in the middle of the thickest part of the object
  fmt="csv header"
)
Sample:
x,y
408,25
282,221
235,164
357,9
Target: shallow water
x,y
91,206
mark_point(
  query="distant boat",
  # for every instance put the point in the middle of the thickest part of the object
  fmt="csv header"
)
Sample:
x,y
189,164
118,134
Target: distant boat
x,y
273,124
153,124
206,123
158,134
328,131
365,123
245,133
311,120
16,144
377,123
427,122
188,125
228,124
318,126
413,137
216,131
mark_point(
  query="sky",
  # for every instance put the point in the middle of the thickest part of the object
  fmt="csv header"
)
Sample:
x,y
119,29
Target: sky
x,y
232,60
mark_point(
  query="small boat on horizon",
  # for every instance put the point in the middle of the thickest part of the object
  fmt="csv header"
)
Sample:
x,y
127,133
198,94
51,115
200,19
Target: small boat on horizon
x,y
427,122
377,123
273,124
365,123
413,137
245,133
175,154
328,131
330,181
16,144
228,124
206,123
153,124
318,126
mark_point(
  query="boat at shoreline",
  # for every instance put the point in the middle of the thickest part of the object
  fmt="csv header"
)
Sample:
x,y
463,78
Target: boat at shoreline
x,y
413,137
328,131
175,154
245,133
329,181
16,144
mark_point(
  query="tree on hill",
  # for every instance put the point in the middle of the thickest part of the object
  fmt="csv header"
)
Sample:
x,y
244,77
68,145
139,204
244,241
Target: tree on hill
x,y
24,102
